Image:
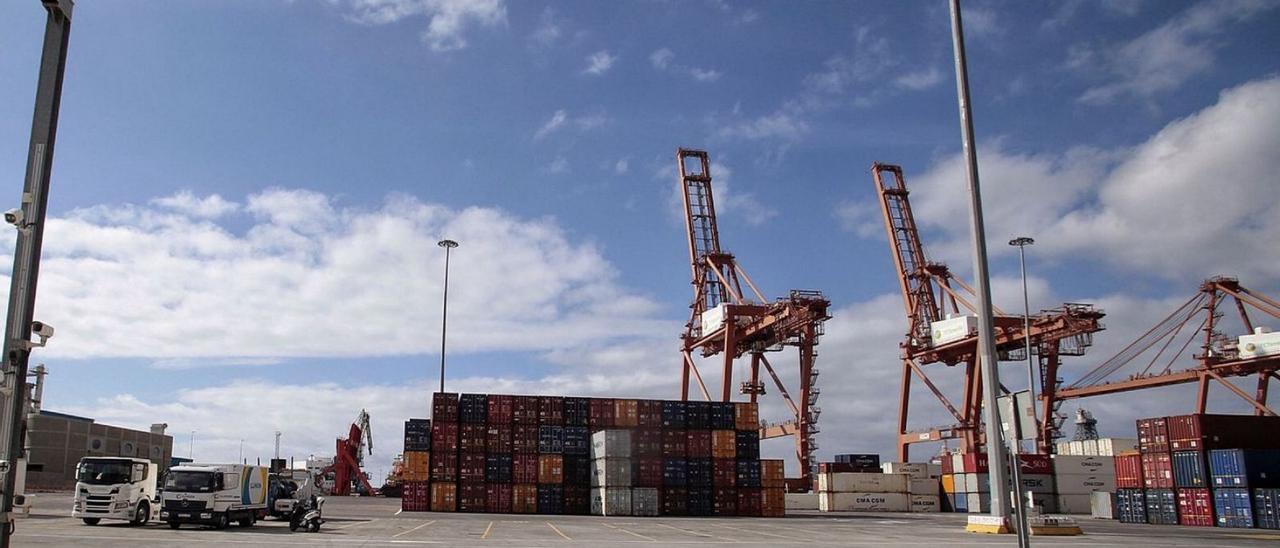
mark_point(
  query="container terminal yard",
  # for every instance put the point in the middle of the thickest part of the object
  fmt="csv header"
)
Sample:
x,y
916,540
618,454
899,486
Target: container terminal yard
x,y
973,458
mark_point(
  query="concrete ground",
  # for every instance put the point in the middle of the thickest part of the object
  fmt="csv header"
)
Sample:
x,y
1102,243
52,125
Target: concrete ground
x,y
377,522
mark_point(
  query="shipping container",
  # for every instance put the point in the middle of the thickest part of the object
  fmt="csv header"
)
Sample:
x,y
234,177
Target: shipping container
x,y
626,413
1131,505
772,473
524,438
1157,471
417,466
674,472
1162,507
674,444
417,435
444,497
499,410
957,463
1081,464
927,486
674,501
1195,507
1129,471
959,502
577,500
698,444
612,501
975,463
444,467
978,502
724,472
550,499
773,502
697,415
949,483
1190,469
724,501
444,407
577,440
699,501
577,412
1153,435
864,502
550,469
550,440
749,501
472,496
646,442
1038,483
724,444
699,472
497,438
1245,467
673,415
1080,484
1233,507
722,416
415,496
747,473
1266,508
524,498
551,411
1102,505
524,468
497,498
601,413
1202,432
524,410
473,409
444,437
497,468
611,472
611,444
577,471
649,414
926,503
863,482
472,467
1110,447
472,437
917,470
646,472
645,501
947,467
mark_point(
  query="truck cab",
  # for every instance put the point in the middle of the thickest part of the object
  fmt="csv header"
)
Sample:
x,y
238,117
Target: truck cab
x,y
115,488
214,494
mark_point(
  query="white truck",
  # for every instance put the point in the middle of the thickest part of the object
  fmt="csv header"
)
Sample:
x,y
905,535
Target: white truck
x,y
115,488
214,494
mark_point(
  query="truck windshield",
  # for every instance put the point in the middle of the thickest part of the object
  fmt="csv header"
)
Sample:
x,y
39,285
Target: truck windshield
x,y
189,482
104,472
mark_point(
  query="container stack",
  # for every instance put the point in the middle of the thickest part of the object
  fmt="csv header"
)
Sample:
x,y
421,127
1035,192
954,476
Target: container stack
x,y
863,492
554,455
1131,505
924,483
1077,477
1102,447
416,466
1157,471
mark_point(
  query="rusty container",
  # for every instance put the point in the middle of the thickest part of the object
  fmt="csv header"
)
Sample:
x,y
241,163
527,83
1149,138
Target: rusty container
x,y
499,409
698,444
551,411
626,413
444,497
524,498
601,416
724,472
773,502
772,474
550,469
524,410
524,438
746,416
724,444
417,465
497,439
472,438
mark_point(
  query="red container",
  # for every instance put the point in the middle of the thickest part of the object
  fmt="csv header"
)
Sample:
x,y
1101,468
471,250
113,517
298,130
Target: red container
x,y
646,472
524,469
577,500
674,444
646,443
471,438
601,413
724,501
497,498
1129,471
975,463
444,467
1036,464
471,467
471,497
649,414
444,407
1195,507
749,501
444,497
1157,471
551,410
444,437
415,496
497,439
626,413
947,468
524,410
773,502
524,499
499,409
724,472
1153,435
698,444
524,438
772,473
1202,432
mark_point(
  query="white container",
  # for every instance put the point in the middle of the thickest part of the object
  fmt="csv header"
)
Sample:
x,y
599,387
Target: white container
x,y
1074,504
611,473
977,483
957,463
614,501
712,319
611,444
953,329
1037,483
644,501
856,482
802,501
1261,343
1082,484
1090,448
917,470
926,503
864,502
1110,447
979,503
1102,505
927,486
1087,465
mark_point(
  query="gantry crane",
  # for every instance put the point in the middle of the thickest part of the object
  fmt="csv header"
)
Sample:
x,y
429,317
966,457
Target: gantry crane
x,y
929,296
347,463
728,321
1219,356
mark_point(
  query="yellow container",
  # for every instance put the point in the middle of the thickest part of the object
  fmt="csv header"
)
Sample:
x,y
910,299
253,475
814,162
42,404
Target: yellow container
x,y
948,483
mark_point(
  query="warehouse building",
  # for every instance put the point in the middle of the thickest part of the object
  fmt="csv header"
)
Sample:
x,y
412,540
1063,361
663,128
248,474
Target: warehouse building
x,y
58,441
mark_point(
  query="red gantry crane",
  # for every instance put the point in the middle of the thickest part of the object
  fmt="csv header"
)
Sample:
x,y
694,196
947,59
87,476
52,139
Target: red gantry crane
x,y
930,298
349,459
726,320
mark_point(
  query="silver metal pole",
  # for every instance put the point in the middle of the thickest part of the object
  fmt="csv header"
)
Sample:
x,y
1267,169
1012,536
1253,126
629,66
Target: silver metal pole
x,y
986,338
1022,244
448,246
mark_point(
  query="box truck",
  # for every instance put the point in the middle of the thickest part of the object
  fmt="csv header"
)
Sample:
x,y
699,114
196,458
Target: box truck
x,y
115,488
214,494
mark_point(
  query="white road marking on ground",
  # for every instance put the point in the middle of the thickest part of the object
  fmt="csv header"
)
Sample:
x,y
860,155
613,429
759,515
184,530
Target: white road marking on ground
x,y
754,532
397,535
695,533
558,531
353,524
486,531
638,535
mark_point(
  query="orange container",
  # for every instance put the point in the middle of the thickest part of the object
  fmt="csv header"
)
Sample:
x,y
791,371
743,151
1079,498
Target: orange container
x,y
550,470
626,413
773,502
724,444
524,498
949,483
444,497
772,473
417,465
746,416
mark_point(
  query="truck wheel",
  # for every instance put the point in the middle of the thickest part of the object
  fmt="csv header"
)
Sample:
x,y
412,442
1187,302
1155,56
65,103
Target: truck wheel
x,y
245,521
222,521
174,525
142,515
92,521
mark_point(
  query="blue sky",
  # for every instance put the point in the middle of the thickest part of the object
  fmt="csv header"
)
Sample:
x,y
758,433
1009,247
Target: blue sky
x,y
246,194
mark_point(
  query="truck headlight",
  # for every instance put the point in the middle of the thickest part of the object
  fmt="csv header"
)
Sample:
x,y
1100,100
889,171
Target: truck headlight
x,y
164,514
206,516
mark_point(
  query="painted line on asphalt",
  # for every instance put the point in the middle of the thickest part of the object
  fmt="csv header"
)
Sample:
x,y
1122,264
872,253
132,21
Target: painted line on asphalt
x,y
558,531
353,524
632,533
695,533
754,532
485,535
397,535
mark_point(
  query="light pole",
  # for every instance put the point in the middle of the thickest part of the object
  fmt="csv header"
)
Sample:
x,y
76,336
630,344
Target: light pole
x,y
242,451
191,449
1022,242
448,246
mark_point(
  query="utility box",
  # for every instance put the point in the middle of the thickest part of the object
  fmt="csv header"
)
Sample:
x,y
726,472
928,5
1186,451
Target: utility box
x,y
1263,342
953,329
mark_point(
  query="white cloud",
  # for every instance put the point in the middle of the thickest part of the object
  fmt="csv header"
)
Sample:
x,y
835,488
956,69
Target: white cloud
x,y
661,58
704,75
447,19
561,119
784,125
209,207
1164,58
558,166
556,122
860,217
549,31
600,62
664,59
621,167
922,79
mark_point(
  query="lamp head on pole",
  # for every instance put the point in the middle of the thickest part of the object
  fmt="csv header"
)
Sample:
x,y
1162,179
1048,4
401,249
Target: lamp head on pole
x,y
1021,241
450,244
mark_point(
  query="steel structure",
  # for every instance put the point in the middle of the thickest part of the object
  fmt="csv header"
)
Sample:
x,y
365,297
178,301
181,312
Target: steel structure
x,y
350,457
728,321
1218,358
930,292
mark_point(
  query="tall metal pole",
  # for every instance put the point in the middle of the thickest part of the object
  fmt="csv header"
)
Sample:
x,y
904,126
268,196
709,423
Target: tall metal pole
x,y
26,257
1022,242
448,246
986,338
191,449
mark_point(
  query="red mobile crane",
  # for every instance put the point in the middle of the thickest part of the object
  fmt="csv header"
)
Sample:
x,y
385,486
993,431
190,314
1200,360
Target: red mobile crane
x,y
350,457
726,320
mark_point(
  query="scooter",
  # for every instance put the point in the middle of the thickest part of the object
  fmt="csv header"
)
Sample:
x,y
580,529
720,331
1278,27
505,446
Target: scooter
x,y
307,515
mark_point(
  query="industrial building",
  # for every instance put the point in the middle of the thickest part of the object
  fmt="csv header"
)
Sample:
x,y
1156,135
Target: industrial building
x,y
58,441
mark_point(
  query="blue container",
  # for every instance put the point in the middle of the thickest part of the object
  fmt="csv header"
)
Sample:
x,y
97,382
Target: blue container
x,y
697,415
577,411
1266,508
721,416
673,415
473,408
1131,505
550,440
1233,507
1245,467
577,440
748,473
1190,469
674,472
1162,507
497,468
959,502
698,473
577,470
550,499
748,444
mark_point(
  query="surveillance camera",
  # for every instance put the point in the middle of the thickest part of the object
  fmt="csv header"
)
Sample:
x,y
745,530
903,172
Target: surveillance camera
x,y
14,217
43,330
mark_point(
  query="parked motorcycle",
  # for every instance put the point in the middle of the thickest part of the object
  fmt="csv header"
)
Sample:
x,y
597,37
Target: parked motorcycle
x,y
307,515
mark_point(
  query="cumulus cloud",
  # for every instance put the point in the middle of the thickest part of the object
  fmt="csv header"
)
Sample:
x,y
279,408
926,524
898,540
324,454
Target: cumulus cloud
x,y
556,122
923,79
600,62
208,207
562,119
549,31
664,60
447,19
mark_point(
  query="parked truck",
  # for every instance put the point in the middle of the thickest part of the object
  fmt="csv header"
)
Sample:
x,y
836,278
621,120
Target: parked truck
x,y
115,488
215,494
